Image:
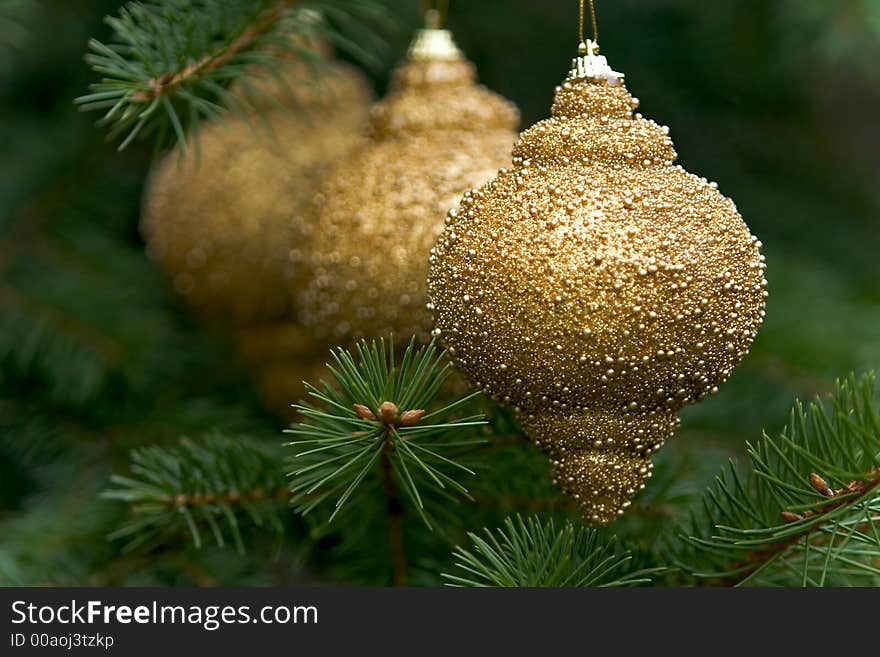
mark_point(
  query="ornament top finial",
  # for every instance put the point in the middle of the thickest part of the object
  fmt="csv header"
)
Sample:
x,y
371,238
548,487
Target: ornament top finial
x,y
590,65
434,44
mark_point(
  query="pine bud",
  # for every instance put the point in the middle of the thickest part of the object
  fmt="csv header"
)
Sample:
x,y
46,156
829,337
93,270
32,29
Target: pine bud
x,y
363,412
788,516
388,412
409,418
820,485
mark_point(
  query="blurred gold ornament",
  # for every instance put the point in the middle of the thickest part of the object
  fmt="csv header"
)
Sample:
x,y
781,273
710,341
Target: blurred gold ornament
x,y
436,135
597,288
227,221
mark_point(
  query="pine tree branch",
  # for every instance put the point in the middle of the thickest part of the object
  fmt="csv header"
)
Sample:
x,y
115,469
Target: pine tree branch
x,y
171,64
170,81
785,524
217,485
533,552
229,497
851,494
14,29
372,442
340,445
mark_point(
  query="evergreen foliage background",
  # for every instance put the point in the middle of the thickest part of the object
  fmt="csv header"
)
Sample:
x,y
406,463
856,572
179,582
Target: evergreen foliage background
x,y
774,100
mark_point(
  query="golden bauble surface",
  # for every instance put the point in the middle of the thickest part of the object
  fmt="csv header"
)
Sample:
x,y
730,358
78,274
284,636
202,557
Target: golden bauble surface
x,y
435,135
597,288
227,221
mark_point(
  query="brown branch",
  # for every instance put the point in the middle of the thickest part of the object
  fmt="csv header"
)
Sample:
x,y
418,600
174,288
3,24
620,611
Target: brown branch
x,y
395,514
853,491
391,417
168,82
232,497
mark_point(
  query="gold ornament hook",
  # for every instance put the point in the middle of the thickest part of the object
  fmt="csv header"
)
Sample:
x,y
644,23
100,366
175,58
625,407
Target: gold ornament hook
x,y
435,13
434,43
582,44
589,64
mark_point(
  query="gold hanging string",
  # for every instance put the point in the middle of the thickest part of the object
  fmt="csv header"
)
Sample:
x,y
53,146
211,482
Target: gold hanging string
x,y
592,19
435,13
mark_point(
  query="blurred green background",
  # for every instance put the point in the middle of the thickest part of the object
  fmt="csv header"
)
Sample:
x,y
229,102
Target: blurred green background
x,y
775,100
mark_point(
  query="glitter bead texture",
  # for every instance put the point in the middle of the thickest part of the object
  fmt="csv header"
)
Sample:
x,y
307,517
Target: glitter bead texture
x,y
597,288
436,135
227,221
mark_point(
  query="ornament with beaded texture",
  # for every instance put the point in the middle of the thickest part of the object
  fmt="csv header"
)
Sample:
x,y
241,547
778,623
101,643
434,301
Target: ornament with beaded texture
x,y
435,135
228,220
597,288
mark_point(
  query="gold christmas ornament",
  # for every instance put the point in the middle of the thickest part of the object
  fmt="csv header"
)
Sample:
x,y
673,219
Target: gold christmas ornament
x,y
435,135
227,221
597,288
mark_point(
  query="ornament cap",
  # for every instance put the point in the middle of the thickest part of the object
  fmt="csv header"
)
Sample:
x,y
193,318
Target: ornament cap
x,y
434,45
590,65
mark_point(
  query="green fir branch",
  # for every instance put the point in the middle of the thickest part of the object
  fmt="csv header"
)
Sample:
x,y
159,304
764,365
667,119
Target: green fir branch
x,y
809,512
171,63
373,434
372,426
15,16
215,486
534,552
56,536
